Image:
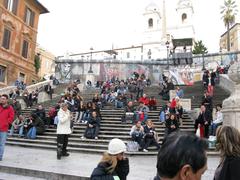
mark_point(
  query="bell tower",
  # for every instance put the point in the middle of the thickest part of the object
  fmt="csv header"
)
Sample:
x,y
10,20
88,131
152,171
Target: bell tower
x,y
185,12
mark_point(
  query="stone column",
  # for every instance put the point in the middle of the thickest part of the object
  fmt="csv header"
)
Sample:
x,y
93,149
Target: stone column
x,y
231,105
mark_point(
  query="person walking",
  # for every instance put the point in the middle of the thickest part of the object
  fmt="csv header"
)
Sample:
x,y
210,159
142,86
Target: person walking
x,y
6,118
114,165
228,143
63,130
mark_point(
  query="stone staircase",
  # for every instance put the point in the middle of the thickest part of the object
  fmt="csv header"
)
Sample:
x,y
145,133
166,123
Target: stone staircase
x,y
111,126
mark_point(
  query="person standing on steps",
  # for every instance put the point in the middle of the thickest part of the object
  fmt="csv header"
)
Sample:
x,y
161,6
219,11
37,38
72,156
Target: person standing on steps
x,y
113,165
6,118
63,130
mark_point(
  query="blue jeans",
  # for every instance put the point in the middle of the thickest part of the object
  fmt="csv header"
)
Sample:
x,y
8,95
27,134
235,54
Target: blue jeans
x,y
20,131
3,138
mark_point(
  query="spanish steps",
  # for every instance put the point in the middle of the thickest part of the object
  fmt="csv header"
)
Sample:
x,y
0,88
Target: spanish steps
x,y
111,125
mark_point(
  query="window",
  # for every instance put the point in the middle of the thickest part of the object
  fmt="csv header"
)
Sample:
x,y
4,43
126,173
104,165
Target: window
x,y
25,49
6,38
2,73
128,55
29,17
150,23
11,5
21,77
184,17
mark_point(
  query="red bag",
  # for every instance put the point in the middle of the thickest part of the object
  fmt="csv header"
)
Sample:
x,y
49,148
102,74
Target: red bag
x,y
141,116
210,90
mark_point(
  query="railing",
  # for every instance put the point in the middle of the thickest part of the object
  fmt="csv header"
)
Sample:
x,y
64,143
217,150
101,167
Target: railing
x,y
34,87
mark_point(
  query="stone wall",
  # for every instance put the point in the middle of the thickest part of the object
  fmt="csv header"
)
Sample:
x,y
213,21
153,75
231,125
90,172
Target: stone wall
x,y
227,83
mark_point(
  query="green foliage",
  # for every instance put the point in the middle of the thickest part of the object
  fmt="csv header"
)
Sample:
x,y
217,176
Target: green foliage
x,y
228,12
199,48
37,63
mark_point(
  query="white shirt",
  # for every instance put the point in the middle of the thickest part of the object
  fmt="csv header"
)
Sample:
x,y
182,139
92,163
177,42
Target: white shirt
x,y
219,118
64,118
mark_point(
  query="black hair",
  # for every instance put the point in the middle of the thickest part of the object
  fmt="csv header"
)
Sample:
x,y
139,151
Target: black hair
x,y
179,149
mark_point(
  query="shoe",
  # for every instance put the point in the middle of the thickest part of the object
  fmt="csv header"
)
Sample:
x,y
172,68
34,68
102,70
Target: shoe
x,y
96,137
82,137
65,154
145,150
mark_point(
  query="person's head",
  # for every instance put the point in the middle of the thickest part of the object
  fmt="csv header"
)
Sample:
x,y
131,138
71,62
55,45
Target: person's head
x,y
172,117
94,114
228,141
116,149
21,117
168,103
149,123
138,124
130,103
64,106
182,157
40,107
203,108
218,107
4,99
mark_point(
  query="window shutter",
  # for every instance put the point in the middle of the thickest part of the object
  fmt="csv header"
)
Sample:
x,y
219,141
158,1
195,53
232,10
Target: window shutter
x,y
15,6
6,39
6,4
32,18
25,15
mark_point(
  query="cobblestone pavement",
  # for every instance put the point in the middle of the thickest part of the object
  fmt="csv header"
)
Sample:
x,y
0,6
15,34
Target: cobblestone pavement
x,y
141,168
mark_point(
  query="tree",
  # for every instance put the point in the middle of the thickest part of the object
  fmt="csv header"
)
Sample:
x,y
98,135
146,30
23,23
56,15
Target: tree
x,y
199,48
37,63
228,12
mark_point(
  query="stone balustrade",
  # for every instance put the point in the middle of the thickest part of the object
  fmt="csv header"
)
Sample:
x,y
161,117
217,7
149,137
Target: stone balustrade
x,y
226,83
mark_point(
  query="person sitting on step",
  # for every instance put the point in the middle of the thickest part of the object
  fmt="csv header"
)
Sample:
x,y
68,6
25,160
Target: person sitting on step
x,y
93,127
129,113
150,136
137,132
142,113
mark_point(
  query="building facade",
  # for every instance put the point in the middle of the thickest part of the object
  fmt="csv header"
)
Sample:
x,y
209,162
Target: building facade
x,y
161,23
234,39
18,35
47,63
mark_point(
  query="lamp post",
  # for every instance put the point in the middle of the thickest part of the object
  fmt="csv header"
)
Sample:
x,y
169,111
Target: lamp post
x,y
221,56
90,69
203,67
167,46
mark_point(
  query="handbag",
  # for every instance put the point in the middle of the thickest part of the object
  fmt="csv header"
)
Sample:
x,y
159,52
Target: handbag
x,y
132,146
90,133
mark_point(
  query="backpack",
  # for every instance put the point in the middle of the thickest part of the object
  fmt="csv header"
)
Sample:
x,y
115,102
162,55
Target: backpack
x,y
132,146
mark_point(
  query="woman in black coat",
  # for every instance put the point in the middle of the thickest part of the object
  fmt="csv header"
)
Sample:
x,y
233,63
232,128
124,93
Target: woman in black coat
x,y
114,165
228,142
172,124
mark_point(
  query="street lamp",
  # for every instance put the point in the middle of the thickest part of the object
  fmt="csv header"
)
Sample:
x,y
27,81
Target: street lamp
x,y
203,67
90,69
167,46
221,56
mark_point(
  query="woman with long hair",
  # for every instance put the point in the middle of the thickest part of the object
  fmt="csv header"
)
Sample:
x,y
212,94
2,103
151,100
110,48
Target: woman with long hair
x,y
228,143
113,165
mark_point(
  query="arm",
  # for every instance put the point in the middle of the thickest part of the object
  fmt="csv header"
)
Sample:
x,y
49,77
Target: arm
x,y
63,117
10,115
122,169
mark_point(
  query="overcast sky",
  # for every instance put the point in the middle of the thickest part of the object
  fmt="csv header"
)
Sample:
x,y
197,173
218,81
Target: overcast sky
x,y
76,25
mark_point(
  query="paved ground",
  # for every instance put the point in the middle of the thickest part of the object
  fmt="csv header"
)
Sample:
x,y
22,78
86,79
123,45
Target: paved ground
x,y
141,168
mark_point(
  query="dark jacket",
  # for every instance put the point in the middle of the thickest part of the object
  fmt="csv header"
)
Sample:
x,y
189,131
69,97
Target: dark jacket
x,y
169,123
39,124
230,169
149,132
94,122
41,114
202,118
121,170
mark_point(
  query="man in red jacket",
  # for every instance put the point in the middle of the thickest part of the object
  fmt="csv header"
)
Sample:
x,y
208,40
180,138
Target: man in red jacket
x,y
6,118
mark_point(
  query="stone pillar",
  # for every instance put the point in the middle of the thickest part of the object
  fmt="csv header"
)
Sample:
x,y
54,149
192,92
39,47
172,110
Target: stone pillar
x,y
231,105
43,96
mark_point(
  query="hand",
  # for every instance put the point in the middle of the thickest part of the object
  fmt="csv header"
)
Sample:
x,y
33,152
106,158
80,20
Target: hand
x,y
90,125
173,126
199,125
206,123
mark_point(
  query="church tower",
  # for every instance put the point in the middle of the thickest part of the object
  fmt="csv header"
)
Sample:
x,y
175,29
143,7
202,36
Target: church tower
x,y
185,12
